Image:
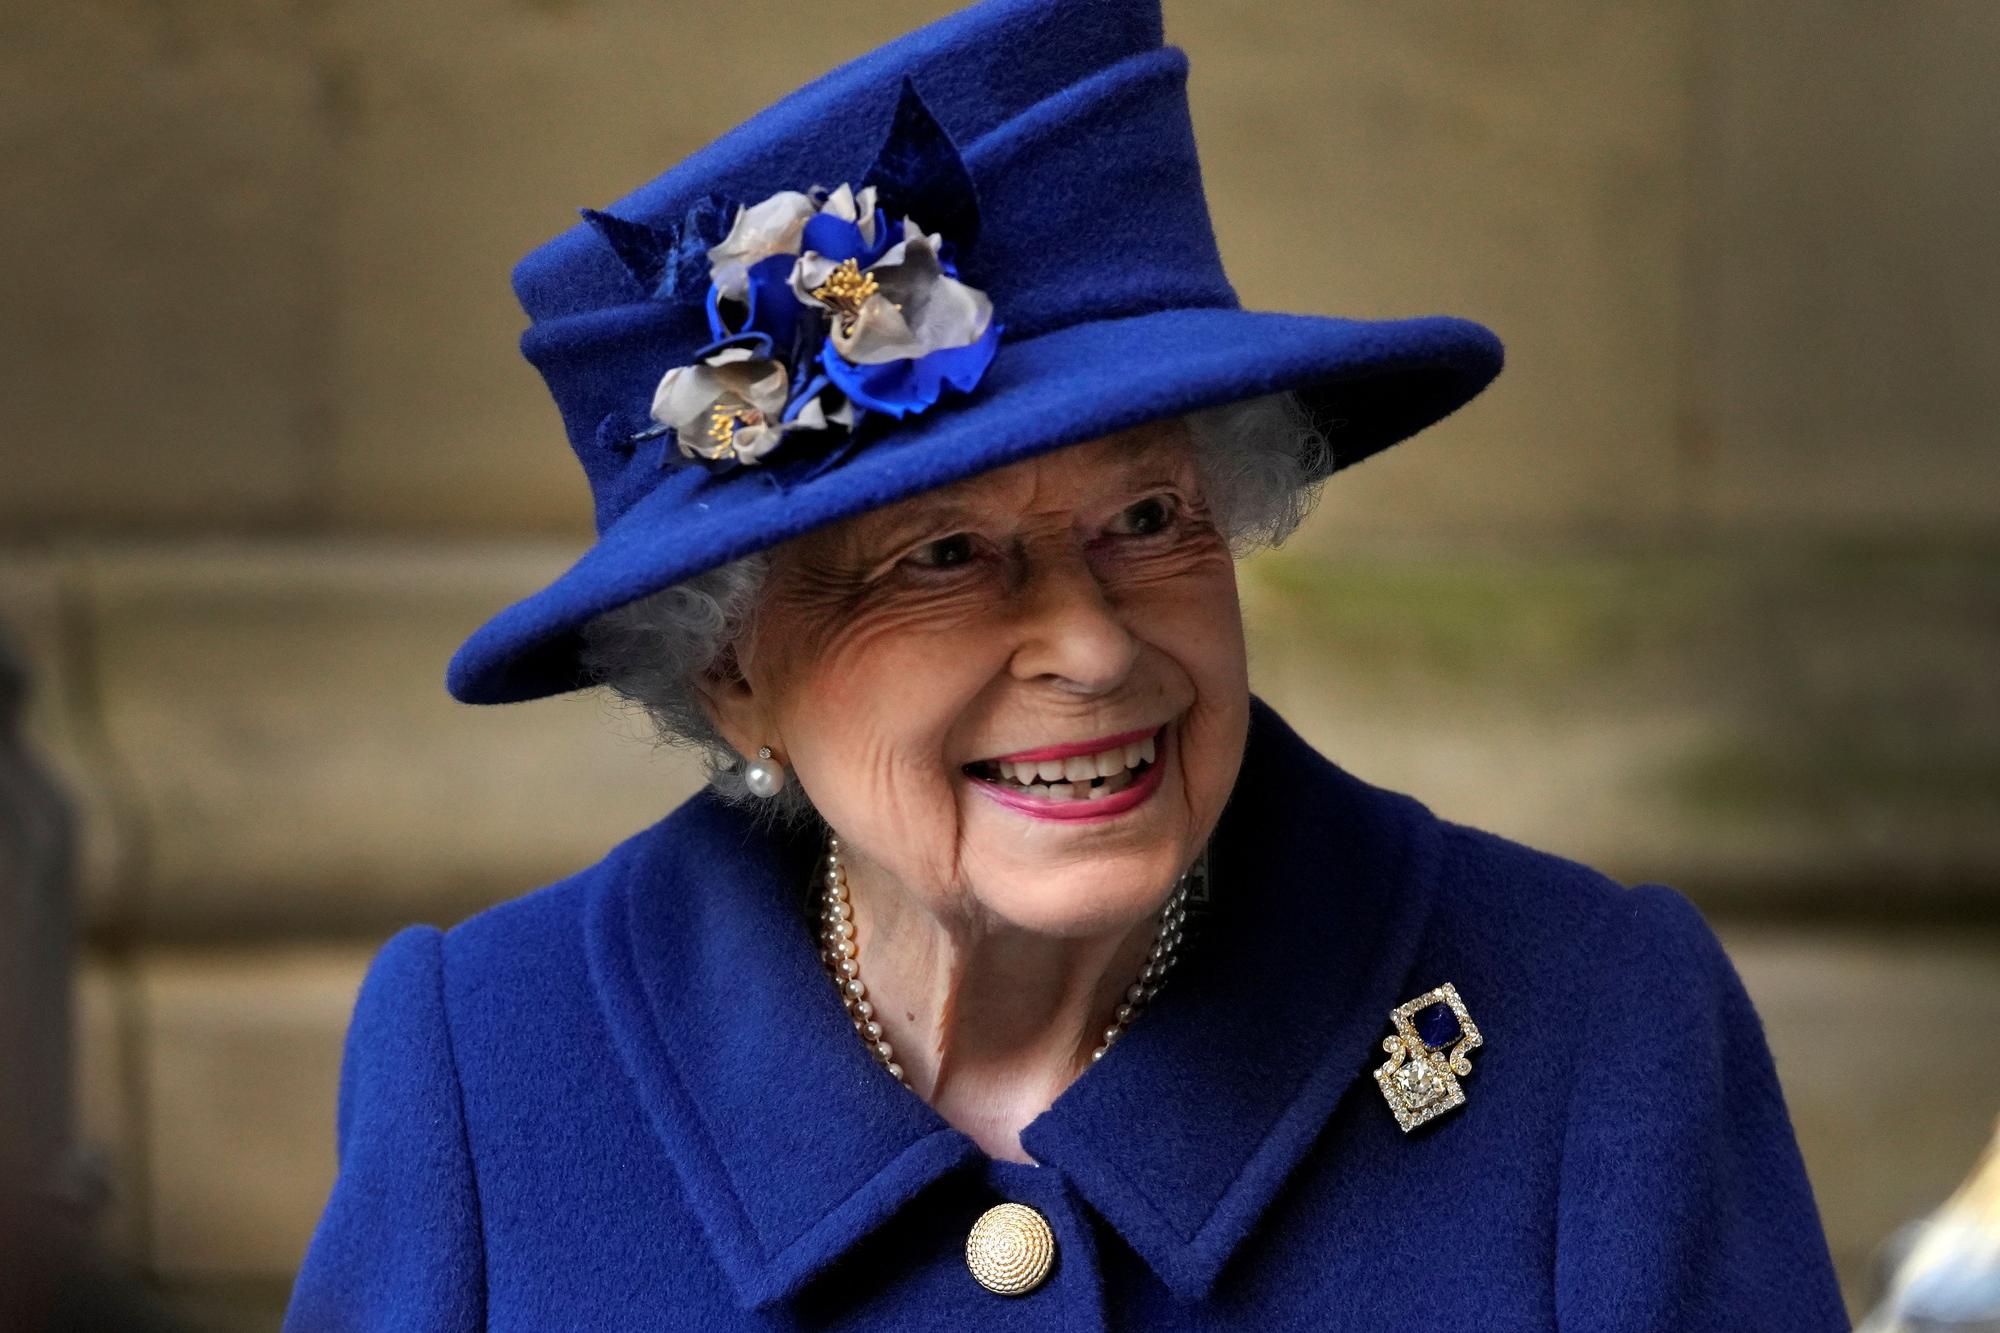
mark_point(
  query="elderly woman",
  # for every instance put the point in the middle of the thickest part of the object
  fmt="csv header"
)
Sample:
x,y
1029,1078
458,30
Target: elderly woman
x,y
1018,969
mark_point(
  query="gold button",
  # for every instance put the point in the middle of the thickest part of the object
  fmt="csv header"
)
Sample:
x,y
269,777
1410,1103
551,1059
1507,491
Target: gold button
x,y
1010,1249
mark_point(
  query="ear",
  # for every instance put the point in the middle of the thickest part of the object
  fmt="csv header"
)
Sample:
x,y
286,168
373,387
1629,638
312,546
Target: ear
x,y
734,706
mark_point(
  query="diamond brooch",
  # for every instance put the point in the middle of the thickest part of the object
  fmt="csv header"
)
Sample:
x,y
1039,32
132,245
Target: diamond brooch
x,y
1427,1056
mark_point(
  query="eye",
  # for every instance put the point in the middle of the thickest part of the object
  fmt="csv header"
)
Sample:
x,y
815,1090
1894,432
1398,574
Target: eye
x,y
1145,518
944,553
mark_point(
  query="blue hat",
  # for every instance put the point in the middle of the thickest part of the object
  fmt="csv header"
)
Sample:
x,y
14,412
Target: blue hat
x,y
982,242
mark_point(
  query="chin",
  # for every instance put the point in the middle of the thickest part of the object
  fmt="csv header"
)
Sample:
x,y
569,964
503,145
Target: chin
x,y
1092,895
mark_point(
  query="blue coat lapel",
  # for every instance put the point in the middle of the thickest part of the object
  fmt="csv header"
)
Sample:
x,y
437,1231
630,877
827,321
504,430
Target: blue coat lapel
x,y
703,959
791,1142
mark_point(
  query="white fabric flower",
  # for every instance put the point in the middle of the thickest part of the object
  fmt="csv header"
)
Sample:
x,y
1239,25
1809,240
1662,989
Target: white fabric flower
x,y
914,309
729,406
726,406
760,231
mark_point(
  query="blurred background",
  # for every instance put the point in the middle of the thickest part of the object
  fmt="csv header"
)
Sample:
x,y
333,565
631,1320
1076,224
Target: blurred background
x,y
1705,590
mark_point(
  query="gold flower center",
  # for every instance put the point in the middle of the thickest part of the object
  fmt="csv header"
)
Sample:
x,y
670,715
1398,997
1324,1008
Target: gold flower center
x,y
845,291
724,421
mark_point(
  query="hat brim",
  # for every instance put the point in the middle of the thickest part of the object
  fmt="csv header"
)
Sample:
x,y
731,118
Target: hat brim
x,y
1368,384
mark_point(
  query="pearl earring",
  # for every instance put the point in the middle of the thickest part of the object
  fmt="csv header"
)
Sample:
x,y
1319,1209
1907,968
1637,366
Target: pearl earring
x,y
765,778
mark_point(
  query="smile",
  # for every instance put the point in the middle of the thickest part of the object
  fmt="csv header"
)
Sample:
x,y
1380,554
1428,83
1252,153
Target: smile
x,y
1093,779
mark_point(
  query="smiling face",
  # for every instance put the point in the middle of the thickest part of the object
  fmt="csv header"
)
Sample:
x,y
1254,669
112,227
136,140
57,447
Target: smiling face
x,y
1023,697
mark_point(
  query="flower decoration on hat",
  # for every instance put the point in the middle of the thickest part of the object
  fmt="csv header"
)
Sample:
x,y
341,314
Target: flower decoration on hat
x,y
821,311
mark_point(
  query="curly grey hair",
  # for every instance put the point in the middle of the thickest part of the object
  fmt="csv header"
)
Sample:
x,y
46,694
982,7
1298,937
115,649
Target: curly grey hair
x,y
1261,459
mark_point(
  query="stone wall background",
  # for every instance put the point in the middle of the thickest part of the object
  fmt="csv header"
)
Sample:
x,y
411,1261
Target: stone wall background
x,y
1705,590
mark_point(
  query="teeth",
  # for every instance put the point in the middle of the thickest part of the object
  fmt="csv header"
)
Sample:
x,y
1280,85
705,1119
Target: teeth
x,y
1083,777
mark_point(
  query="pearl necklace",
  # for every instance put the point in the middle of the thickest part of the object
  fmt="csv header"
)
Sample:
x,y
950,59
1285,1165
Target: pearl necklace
x,y
842,957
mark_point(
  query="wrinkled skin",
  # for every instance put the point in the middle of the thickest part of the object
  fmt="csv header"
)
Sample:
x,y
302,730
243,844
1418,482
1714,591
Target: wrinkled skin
x,y
1074,596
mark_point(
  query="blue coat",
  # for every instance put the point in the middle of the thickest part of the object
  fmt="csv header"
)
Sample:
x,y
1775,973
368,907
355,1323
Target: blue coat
x,y
632,1100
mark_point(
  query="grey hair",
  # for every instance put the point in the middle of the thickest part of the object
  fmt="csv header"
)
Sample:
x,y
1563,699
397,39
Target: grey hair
x,y
1262,461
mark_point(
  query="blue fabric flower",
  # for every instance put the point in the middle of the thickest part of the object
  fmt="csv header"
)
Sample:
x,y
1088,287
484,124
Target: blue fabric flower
x,y
764,306
909,385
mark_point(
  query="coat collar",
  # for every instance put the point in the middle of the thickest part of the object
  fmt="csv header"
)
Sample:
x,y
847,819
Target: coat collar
x,y
792,1145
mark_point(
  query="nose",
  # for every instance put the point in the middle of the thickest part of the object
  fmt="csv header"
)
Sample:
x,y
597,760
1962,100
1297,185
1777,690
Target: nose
x,y
1069,634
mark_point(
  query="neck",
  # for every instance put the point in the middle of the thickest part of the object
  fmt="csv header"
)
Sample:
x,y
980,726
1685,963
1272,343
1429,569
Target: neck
x,y
989,1022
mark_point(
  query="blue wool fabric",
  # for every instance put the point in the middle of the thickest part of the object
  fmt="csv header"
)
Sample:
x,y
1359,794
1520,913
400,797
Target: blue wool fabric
x,y
632,1100
1092,237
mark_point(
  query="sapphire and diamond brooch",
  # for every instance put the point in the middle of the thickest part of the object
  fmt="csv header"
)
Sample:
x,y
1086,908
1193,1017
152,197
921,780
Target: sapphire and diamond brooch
x,y
1427,1056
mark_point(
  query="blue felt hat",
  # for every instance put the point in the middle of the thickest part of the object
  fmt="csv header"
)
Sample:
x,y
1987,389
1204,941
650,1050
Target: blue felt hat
x,y
1048,143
